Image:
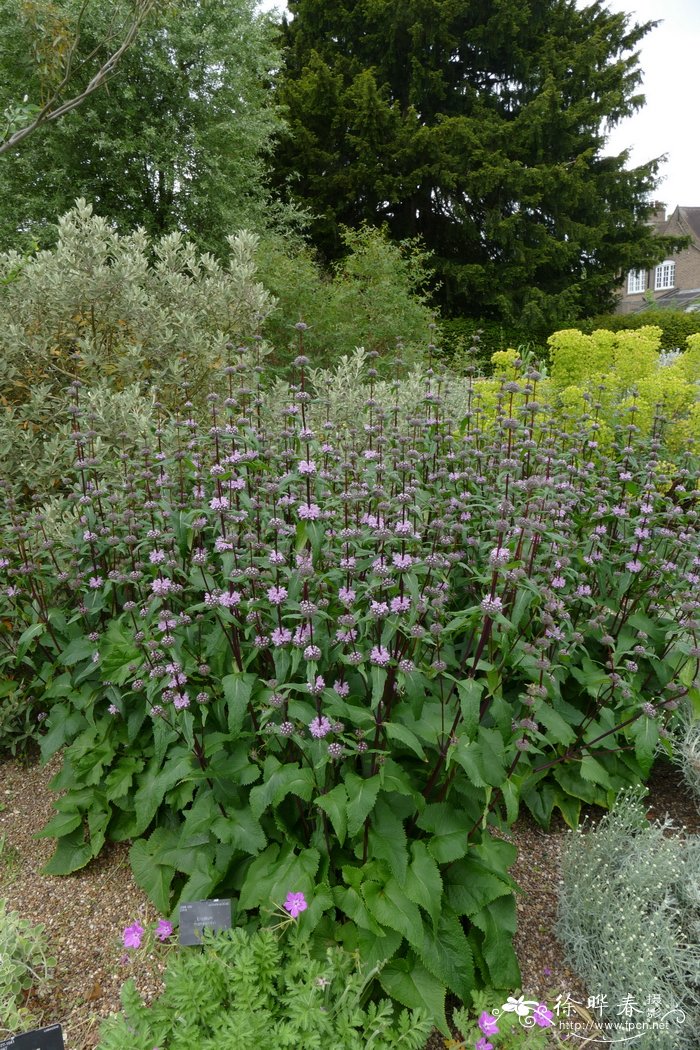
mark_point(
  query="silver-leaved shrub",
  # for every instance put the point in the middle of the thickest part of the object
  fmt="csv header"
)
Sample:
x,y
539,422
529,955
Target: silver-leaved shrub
x,y
24,964
636,943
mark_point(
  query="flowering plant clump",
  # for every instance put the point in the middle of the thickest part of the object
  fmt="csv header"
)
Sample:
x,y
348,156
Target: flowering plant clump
x,y
264,990
284,652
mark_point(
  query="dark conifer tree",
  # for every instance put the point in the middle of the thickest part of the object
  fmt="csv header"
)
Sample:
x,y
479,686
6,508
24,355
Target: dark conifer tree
x,y
479,125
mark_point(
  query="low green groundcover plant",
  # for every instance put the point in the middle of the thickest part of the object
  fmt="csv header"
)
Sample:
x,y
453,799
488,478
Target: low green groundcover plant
x,y
262,991
278,650
636,945
519,1024
24,963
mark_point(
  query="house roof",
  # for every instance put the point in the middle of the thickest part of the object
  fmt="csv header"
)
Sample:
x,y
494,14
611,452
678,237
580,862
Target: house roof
x,y
687,300
690,217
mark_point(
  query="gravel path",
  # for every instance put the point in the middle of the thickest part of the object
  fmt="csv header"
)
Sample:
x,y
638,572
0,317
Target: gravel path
x,y
84,914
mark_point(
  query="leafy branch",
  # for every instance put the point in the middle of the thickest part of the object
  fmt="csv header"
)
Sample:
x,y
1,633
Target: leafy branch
x,y
53,108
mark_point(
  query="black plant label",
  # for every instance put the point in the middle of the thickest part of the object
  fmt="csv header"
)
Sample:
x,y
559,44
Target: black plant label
x,y
50,1038
196,916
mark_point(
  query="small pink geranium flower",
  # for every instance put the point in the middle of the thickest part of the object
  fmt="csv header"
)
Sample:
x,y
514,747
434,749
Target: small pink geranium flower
x,y
295,904
483,1044
487,1024
132,935
163,929
543,1016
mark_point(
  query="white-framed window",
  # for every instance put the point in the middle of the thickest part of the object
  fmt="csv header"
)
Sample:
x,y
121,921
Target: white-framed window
x,y
665,275
636,281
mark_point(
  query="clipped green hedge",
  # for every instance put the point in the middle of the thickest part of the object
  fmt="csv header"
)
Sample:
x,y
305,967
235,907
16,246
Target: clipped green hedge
x,y
675,325
457,336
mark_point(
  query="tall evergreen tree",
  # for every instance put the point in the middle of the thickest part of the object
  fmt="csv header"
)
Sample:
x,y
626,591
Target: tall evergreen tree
x,y
178,137
479,125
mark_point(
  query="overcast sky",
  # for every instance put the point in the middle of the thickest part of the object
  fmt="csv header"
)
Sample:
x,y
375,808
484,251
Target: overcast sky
x,y
668,124
670,58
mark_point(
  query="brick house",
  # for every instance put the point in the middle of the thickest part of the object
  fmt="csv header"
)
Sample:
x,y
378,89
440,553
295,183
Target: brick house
x,y
675,282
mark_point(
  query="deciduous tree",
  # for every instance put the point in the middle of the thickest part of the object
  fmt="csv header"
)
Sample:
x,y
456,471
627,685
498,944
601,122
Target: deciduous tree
x,y
175,140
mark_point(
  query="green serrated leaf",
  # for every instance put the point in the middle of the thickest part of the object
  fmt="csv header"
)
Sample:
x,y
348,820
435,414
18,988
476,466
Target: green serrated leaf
x,y
72,853
77,650
446,953
387,839
449,828
335,804
645,733
592,770
492,756
497,923
471,885
117,651
558,729
153,786
290,779
391,907
238,689
423,883
373,948
277,872
62,824
204,877
362,795
408,981
118,780
396,731
150,873
351,904
239,828
470,691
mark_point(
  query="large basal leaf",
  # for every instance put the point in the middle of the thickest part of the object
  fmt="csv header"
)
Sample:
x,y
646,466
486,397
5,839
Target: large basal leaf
x,y
396,731
387,839
237,692
204,878
374,949
118,782
150,873
290,779
558,729
335,804
569,778
362,794
446,953
449,827
645,733
277,872
239,828
423,883
497,923
153,786
492,756
470,885
391,907
470,691
72,853
351,904
117,652
408,981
